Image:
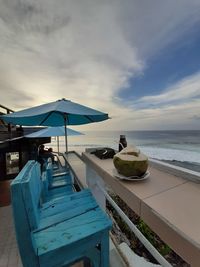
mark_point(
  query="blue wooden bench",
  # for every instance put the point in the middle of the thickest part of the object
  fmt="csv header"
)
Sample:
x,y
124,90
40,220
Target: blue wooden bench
x,y
41,216
52,193
57,233
57,188
57,179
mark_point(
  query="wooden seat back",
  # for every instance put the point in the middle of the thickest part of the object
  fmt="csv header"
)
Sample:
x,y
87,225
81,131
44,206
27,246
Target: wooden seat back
x,y
31,189
49,171
63,237
21,222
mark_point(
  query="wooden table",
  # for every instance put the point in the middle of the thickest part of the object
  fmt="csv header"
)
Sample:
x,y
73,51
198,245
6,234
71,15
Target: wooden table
x,y
170,205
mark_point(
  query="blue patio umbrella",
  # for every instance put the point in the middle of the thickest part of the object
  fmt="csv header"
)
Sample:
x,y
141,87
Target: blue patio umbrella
x,y
58,113
53,131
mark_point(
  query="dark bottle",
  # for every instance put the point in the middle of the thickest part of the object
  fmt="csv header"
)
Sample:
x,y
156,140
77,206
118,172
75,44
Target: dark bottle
x,y
122,142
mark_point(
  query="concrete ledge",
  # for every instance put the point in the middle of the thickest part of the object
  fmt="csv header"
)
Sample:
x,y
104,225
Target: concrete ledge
x,y
176,170
77,166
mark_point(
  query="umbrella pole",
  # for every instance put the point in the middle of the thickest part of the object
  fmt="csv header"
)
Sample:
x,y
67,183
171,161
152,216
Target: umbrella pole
x,y
66,134
58,143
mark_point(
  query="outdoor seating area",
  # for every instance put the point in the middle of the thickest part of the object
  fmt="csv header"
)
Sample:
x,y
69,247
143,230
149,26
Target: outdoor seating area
x,y
59,211
61,228
55,185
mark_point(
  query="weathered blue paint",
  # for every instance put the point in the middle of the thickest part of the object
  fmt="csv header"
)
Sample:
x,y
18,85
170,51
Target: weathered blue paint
x,y
22,228
59,232
55,178
49,193
66,198
73,239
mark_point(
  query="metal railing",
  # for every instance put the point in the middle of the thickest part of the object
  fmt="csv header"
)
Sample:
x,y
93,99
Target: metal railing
x,y
8,110
136,231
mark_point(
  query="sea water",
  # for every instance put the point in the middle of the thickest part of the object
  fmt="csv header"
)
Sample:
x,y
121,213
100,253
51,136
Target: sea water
x,y
179,147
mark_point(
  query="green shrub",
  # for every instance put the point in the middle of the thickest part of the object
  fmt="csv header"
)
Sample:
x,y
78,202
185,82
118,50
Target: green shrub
x,y
151,237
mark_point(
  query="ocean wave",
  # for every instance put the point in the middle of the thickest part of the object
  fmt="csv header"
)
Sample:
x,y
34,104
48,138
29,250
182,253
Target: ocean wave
x,y
171,154
182,153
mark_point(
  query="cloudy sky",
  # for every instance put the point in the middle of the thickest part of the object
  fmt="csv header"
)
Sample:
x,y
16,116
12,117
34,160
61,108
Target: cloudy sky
x,y
138,60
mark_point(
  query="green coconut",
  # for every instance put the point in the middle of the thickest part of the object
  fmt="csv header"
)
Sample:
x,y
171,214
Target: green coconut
x,y
129,164
130,150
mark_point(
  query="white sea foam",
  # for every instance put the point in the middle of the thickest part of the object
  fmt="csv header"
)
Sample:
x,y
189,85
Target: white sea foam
x,y
175,150
171,154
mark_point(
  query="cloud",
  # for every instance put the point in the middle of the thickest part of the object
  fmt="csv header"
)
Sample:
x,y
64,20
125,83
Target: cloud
x,y
195,117
183,90
175,108
71,49
171,117
85,51
156,24
12,95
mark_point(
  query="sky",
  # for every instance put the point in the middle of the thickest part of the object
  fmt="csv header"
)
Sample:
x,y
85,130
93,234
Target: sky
x,y
137,60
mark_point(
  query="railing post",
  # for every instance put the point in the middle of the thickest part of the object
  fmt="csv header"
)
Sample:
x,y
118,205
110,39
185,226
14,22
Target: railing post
x,y
93,179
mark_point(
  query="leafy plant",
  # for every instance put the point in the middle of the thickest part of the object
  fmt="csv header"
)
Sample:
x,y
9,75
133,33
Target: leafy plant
x,y
164,249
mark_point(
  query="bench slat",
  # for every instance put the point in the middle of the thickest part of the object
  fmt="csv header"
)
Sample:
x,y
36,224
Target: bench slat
x,y
67,206
70,231
74,209
66,198
61,231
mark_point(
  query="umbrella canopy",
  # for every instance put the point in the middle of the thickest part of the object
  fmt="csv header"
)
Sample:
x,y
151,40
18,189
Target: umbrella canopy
x,y
52,131
58,113
55,113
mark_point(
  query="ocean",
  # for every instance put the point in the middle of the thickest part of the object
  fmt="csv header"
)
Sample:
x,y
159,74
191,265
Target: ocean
x,y
181,148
